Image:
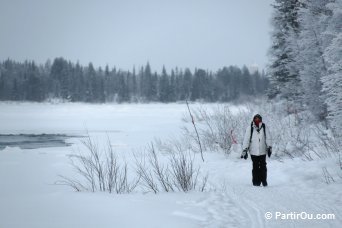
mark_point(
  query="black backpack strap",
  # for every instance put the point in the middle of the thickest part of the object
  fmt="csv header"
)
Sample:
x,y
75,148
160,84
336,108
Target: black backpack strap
x,y
250,138
264,126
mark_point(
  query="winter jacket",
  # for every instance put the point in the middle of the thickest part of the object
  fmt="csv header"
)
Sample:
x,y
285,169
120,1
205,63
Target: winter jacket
x,y
258,145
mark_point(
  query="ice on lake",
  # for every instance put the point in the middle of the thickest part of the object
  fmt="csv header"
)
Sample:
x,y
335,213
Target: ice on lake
x,y
32,141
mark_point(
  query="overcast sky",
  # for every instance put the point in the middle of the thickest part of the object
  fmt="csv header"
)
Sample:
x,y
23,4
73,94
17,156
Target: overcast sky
x,y
205,34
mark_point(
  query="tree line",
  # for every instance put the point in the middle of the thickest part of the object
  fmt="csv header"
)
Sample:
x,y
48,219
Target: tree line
x,y
68,81
306,57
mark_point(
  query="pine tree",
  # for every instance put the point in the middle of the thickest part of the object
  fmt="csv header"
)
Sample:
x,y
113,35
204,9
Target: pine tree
x,y
123,88
199,85
187,84
164,87
34,87
134,87
154,87
332,81
60,75
284,75
310,59
90,83
246,85
172,88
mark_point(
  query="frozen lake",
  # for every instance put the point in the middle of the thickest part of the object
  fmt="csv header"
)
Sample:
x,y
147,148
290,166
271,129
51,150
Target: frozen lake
x,y
34,125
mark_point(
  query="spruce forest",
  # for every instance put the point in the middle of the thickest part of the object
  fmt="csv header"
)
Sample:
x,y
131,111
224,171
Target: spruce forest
x,y
72,82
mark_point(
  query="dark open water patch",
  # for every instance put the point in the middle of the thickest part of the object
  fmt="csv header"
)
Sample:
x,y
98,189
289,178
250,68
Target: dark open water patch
x,y
32,141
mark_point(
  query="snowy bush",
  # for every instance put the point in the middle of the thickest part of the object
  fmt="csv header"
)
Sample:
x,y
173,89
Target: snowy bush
x,y
176,173
219,128
99,170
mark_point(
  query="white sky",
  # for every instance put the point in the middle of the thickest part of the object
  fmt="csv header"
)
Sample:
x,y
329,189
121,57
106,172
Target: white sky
x,y
206,34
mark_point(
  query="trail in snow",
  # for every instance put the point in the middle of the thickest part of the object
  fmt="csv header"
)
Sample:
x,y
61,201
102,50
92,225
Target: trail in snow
x,y
237,203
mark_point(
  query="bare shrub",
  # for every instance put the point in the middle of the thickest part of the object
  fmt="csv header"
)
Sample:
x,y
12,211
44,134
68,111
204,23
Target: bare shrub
x,y
177,173
340,165
156,176
326,141
310,140
98,170
327,176
184,174
193,123
218,128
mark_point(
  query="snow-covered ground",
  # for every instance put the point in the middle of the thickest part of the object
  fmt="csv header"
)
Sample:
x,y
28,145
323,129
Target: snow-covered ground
x,y
29,197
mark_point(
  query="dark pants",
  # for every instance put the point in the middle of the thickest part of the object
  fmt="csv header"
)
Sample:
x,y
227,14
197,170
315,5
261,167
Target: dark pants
x,y
259,171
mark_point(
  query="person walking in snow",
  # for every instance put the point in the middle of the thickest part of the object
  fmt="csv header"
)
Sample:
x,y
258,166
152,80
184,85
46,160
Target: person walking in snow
x,y
257,141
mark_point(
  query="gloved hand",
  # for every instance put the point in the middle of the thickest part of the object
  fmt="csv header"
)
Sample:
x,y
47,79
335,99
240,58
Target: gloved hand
x,y
244,154
269,151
